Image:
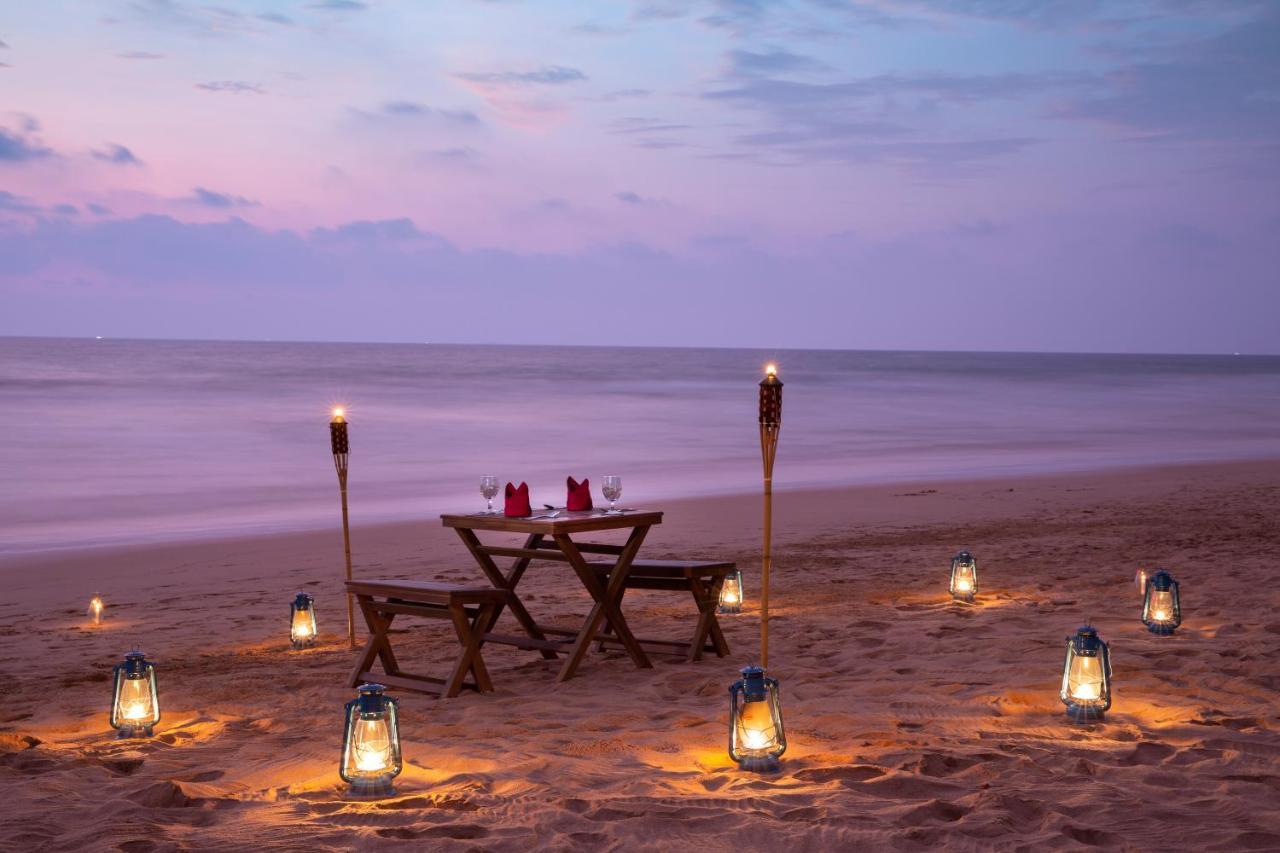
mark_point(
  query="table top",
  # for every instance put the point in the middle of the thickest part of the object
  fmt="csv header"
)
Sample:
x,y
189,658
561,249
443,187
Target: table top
x,y
566,522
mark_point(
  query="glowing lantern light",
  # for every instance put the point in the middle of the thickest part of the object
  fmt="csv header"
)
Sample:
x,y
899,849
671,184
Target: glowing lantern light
x,y
756,738
371,744
731,593
302,621
95,609
964,576
135,705
1161,605
1140,581
1086,676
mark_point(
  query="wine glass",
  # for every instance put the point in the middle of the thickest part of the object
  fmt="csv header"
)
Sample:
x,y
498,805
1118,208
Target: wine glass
x,y
489,489
611,488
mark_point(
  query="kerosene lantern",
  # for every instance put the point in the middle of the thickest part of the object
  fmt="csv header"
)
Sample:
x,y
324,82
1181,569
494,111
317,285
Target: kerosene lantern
x,y
371,743
302,621
1161,606
964,577
1086,676
756,737
135,704
731,593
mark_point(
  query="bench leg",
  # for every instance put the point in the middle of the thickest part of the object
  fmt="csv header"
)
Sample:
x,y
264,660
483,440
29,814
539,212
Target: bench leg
x,y
378,645
707,598
470,637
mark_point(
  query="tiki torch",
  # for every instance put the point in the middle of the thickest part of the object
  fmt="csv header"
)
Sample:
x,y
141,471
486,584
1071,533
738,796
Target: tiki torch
x,y
770,423
756,736
338,441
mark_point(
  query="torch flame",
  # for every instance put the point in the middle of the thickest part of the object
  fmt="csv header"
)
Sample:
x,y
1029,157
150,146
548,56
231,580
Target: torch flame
x,y
771,370
338,412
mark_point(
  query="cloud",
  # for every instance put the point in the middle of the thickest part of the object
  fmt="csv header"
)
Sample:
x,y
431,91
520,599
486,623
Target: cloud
x,y
16,203
210,198
338,6
19,146
140,54
374,231
889,117
634,199
98,209
117,154
547,75
1033,288
65,210
748,63
2,44
235,87
402,110
1225,86
618,95
276,18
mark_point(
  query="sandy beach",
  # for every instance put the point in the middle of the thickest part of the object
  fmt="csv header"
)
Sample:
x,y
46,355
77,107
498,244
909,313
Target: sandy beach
x,y
914,723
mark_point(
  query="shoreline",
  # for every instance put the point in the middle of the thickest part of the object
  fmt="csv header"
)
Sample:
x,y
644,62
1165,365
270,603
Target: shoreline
x,y
8,556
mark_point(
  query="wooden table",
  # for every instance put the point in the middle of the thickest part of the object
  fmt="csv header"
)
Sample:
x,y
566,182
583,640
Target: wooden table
x,y
552,539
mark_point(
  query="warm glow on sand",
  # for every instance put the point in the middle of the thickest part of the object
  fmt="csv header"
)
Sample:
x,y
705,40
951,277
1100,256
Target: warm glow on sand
x,y
95,609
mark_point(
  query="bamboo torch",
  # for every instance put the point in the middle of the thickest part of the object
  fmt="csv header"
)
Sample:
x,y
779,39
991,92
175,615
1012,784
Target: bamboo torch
x,y
770,424
757,739
338,441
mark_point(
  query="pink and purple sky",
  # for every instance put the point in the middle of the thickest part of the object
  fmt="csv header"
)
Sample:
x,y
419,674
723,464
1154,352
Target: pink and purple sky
x,y
902,174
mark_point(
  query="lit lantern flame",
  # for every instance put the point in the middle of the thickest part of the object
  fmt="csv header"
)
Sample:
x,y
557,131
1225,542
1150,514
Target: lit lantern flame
x,y
339,413
756,737
964,577
731,593
755,726
135,704
1161,604
95,609
371,746
771,370
1086,676
302,621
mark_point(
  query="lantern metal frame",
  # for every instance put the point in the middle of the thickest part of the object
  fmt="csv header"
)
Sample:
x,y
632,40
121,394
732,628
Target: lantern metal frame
x,y
135,667
302,603
371,703
733,580
1162,581
1087,644
755,686
964,560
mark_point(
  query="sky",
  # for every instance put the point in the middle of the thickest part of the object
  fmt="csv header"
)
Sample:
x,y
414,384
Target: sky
x,y
1055,175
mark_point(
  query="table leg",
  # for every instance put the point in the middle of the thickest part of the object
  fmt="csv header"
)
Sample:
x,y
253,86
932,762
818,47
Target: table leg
x,y
606,599
507,582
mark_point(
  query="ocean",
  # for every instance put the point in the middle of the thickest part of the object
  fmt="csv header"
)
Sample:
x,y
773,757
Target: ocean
x,y
123,441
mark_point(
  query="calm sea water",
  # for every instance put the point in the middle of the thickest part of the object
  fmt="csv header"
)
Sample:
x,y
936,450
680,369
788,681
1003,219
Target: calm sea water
x,y
124,441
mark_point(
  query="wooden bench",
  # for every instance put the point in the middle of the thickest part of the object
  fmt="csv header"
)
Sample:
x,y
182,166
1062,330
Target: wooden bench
x,y
469,608
702,578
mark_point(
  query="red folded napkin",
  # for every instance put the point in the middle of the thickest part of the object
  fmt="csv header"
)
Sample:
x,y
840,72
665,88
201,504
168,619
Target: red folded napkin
x,y
517,501
579,495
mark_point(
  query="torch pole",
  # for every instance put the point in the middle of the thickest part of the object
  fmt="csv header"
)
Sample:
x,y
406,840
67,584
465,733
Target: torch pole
x,y
346,548
339,439
770,424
